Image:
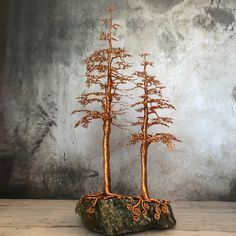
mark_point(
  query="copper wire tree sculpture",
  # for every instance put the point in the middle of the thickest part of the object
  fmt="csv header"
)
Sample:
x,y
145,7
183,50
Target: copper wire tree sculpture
x,y
151,101
104,72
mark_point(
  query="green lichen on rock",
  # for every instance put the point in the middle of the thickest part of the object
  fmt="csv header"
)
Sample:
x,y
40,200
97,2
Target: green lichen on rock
x,y
111,217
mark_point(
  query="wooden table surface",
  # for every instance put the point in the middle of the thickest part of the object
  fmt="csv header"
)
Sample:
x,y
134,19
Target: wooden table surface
x,y
57,217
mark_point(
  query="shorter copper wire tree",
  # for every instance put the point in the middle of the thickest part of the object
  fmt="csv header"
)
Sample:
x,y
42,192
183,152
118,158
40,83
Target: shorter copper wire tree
x,y
151,101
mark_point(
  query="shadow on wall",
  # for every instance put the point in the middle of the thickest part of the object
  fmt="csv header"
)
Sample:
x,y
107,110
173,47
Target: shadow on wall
x,y
55,181
231,196
6,167
4,12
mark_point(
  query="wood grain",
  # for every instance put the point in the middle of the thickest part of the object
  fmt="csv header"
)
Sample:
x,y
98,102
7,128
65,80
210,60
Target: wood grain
x,y
57,217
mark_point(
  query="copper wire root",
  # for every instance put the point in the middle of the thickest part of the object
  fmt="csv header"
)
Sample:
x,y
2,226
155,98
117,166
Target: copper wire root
x,y
95,197
141,207
138,206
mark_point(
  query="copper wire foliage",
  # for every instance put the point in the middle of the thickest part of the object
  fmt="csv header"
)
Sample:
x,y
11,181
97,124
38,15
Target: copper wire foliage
x,y
104,69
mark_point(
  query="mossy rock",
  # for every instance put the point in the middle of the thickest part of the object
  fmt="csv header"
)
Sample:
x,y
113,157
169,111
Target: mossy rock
x,y
111,217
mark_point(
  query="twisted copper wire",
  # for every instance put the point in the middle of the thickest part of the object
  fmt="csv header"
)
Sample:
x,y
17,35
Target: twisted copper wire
x,y
138,207
95,197
141,207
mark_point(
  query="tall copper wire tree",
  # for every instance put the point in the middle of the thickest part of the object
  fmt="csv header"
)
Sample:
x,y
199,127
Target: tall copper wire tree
x,y
104,72
151,101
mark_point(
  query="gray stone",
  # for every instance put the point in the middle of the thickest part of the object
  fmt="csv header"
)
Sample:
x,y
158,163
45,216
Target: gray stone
x,y
111,217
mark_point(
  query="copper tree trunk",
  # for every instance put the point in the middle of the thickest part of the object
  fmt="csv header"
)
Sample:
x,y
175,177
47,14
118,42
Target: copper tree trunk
x,y
144,145
144,187
106,157
108,119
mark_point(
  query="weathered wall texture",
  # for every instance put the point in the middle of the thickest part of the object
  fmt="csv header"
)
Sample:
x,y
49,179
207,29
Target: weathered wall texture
x,y
42,47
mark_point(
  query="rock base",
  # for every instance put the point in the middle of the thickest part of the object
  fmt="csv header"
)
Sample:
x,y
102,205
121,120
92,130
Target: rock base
x,y
111,217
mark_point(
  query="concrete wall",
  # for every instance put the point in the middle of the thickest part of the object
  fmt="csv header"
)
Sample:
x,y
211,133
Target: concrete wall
x,y
42,47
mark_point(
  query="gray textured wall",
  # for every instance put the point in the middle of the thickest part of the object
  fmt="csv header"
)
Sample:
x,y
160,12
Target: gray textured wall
x,y
42,47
